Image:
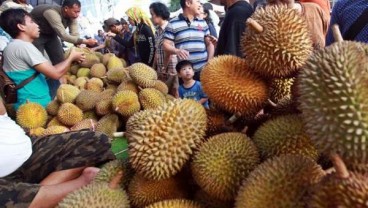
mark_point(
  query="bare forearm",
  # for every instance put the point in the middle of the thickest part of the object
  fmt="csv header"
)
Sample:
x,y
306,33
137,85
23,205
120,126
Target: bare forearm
x,y
62,67
2,107
210,50
203,100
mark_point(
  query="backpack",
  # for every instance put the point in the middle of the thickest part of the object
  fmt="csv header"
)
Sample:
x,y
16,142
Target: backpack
x,y
8,88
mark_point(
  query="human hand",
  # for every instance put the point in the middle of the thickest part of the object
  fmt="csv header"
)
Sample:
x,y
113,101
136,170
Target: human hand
x,y
182,54
212,39
91,42
77,55
110,34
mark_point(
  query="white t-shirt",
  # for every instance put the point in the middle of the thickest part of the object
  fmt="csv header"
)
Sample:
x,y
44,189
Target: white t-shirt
x,y
15,146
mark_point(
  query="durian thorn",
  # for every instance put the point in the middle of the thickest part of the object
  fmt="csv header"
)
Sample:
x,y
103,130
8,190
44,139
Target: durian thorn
x,y
339,165
118,134
337,33
271,103
255,25
245,129
115,181
93,125
233,118
330,170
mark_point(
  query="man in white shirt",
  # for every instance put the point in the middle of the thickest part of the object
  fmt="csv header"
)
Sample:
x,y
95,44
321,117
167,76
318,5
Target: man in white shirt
x,y
41,172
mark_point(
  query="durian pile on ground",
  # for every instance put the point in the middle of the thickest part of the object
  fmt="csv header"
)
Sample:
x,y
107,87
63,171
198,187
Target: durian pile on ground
x,y
287,129
100,94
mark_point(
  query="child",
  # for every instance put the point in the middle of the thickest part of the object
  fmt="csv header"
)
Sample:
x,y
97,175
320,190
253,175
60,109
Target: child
x,y
190,88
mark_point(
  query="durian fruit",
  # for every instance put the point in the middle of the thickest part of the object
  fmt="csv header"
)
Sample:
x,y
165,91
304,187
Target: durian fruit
x,y
70,78
110,169
340,189
216,122
280,46
106,94
232,86
81,82
99,55
87,99
175,203
143,75
281,89
104,107
54,122
162,140
53,107
74,69
118,75
98,70
126,103
83,72
128,85
114,62
108,125
161,86
31,115
67,93
85,124
151,98
69,114
223,162
37,132
90,115
280,182
124,62
208,201
51,130
95,84
143,192
284,135
333,98
101,195
106,57
91,59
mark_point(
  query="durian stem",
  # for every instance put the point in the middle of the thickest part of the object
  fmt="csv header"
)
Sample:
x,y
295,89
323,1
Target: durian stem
x,y
118,134
271,103
339,165
337,33
255,25
93,126
244,131
140,88
115,181
233,118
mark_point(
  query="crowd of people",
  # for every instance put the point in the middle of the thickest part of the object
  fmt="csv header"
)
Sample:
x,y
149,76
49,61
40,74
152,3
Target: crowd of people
x,y
177,48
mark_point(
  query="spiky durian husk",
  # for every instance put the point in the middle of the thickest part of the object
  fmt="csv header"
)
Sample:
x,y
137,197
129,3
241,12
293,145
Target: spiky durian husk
x,y
284,45
175,203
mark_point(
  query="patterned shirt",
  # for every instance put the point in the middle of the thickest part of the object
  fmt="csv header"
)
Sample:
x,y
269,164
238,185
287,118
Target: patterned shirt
x,y
189,36
194,92
160,56
345,13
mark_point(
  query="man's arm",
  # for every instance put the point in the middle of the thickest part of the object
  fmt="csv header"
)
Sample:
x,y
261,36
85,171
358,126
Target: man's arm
x,y
2,107
170,49
210,48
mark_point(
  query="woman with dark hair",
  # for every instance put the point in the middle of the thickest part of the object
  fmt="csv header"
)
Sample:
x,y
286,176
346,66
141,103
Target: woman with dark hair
x,y
205,14
164,65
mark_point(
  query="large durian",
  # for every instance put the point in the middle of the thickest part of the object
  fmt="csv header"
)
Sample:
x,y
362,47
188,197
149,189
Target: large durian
x,y
87,99
280,182
67,93
151,98
69,114
175,203
333,98
162,141
340,189
31,115
126,103
284,135
143,75
108,125
143,192
223,162
232,86
97,195
280,46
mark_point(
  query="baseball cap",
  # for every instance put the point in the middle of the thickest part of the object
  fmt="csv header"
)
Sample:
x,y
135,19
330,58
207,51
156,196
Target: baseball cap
x,y
111,21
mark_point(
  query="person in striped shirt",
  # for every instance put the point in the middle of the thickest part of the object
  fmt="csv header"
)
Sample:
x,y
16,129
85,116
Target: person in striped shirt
x,y
187,37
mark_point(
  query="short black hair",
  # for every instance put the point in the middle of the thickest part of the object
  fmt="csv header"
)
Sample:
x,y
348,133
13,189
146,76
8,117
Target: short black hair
x,y
183,63
182,3
160,10
207,6
70,3
10,19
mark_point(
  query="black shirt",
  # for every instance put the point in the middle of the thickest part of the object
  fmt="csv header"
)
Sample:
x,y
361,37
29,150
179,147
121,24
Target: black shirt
x,y
145,43
232,29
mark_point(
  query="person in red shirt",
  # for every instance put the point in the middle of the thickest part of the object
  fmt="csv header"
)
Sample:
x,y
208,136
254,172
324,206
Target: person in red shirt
x,y
324,4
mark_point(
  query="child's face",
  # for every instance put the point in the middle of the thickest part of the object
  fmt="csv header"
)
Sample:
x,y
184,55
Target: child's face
x,y
186,72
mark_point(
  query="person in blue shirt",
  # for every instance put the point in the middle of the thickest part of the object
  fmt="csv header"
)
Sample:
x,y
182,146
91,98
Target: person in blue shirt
x,y
345,13
190,88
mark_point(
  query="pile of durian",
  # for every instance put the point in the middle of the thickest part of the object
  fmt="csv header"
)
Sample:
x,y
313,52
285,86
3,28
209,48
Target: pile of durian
x,y
101,93
287,128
